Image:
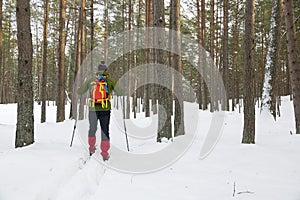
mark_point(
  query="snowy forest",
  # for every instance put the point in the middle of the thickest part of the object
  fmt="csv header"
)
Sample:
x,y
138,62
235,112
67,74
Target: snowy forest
x,y
180,64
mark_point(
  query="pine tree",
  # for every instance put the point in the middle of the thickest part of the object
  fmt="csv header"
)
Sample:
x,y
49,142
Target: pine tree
x,y
293,57
249,108
1,47
25,123
225,101
61,64
272,65
164,114
179,106
43,77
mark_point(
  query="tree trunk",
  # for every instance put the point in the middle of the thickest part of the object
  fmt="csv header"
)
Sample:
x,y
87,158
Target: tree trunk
x,y
288,79
293,57
217,55
72,63
171,61
212,48
262,64
92,36
203,43
105,30
199,79
123,53
225,101
1,56
61,64
148,40
77,63
25,120
272,65
43,81
137,58
83,69
36,65
201,37
234,56
179,106
249,107
164,115
129,61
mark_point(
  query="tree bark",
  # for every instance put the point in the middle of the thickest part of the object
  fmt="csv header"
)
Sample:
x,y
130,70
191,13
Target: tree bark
x,y
203,43
179,106
127,114
200,81
83,69
272,65
92,36
105,30
249,107
234,57
293,57
225,101
77,63
43,81
164,114
148,40
1,50
211,46
72,63
25,120
217,54
61,64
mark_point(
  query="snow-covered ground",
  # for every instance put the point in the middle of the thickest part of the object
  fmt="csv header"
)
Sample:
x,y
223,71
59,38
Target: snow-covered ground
x,y
51,169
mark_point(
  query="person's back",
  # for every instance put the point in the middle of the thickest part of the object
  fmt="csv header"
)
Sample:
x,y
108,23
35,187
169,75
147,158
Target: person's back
x,y
100,87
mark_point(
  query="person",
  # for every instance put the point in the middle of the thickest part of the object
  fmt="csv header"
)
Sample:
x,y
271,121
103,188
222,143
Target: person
x,y
99,111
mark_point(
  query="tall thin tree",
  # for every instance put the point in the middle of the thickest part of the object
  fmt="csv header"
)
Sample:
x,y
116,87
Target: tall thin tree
x,y
25,120
234,57
77,71
203,59
272,65
105,30
200,82
249,108
92,34
212,49
148,40
179,106
1,46
225,103
201,37
61,64
129,54
164,115
293,57
72,58
43,78
83,68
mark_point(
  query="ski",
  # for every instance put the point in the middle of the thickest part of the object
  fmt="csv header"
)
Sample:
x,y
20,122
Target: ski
x,y
83,161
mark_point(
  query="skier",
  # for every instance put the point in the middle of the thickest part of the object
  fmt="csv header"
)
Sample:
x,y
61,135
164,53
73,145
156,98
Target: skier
x,y
99,108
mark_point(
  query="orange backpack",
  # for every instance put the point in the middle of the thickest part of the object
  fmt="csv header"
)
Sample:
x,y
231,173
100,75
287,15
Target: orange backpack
x,y
99,91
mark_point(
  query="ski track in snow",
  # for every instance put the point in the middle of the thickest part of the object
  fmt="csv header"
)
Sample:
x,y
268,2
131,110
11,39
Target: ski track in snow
x,y
85,182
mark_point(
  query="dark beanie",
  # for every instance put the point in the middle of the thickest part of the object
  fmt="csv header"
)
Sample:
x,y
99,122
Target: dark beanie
x,y
102,66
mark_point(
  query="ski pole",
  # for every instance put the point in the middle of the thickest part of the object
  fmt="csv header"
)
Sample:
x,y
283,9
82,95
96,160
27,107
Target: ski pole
x,y
125,130
126,134
75,124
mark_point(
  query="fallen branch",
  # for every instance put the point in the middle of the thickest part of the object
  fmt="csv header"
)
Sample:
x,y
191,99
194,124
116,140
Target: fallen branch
x,y
242,192
245,192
